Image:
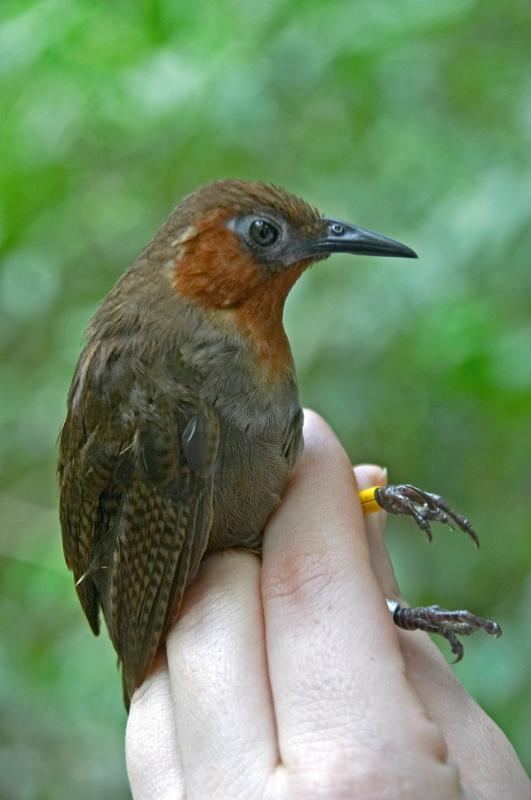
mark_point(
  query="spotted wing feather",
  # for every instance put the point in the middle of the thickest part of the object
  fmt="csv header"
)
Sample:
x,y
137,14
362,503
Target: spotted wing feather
x,y
135,514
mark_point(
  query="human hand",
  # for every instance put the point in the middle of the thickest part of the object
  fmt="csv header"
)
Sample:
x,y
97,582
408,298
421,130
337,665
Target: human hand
x,y
288,678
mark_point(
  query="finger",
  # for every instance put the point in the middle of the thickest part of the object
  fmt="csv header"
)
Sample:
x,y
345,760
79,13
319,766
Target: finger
x,y
371,475
485,757
330,637
152,753
217,665
461,721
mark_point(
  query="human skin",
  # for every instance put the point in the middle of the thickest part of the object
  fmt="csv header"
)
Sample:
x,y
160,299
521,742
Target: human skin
x,y
286,677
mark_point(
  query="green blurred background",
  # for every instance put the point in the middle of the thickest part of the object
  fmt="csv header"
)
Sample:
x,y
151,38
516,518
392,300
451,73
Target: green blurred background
x,y
409,117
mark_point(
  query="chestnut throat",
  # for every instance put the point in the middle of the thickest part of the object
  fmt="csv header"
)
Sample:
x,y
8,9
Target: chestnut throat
x,y
213,271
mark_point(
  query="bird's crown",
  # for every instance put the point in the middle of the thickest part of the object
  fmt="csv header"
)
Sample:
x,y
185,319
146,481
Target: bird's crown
x,y
241,197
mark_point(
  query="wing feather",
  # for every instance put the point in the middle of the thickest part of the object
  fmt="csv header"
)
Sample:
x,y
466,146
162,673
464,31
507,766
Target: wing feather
x,y
135,513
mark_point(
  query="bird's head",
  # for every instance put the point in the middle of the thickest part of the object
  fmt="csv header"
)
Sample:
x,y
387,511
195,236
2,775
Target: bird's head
x,y
232,243
234,249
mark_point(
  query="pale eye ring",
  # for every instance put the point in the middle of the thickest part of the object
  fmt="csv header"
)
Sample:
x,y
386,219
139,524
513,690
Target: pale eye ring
x,y
263,232
337,229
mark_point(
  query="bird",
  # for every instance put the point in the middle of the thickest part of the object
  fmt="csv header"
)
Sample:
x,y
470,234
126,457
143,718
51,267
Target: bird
x,y
183,417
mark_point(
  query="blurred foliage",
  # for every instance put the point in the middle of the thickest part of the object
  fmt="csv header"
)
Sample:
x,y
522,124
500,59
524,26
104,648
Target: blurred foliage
x,y
410,117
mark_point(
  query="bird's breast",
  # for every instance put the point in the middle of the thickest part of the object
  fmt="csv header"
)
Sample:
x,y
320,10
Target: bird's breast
x,y
253,468
260,425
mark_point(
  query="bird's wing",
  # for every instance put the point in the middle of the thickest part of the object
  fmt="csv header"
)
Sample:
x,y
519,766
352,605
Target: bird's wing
x,y
136,482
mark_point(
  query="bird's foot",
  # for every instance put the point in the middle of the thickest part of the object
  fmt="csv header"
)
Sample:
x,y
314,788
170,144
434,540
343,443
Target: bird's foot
x,y
449,624
424,507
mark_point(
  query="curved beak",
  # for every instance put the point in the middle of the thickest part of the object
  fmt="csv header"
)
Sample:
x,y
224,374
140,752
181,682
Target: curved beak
x,y
340,237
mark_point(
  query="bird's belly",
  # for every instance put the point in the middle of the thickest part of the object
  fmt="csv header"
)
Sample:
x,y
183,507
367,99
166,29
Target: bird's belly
x,y
250,476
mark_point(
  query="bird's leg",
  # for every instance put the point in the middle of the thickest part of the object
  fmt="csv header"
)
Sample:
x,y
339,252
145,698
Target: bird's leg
x,y
449,624
424,507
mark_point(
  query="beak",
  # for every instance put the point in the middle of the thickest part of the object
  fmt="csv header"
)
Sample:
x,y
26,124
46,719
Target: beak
x,y
343,238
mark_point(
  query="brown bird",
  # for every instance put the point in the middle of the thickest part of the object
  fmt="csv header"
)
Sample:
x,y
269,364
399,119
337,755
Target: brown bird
x,y
184,419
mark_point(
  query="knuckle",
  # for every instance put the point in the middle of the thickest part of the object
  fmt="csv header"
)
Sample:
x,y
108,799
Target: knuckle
x,y
398,765
427,735
344,778
374,776
298,576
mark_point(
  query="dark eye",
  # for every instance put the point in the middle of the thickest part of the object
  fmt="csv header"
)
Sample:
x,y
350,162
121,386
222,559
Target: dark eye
x,y
263,232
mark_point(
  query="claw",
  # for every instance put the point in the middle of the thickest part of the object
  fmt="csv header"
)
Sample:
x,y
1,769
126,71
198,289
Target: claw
x,y
424,507
449,624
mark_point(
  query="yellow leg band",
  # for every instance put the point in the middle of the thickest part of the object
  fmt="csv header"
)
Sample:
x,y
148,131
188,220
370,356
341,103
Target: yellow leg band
x,y
368,500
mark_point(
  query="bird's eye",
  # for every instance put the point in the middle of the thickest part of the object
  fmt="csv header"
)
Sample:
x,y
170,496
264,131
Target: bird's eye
x,y
263,232
337,229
